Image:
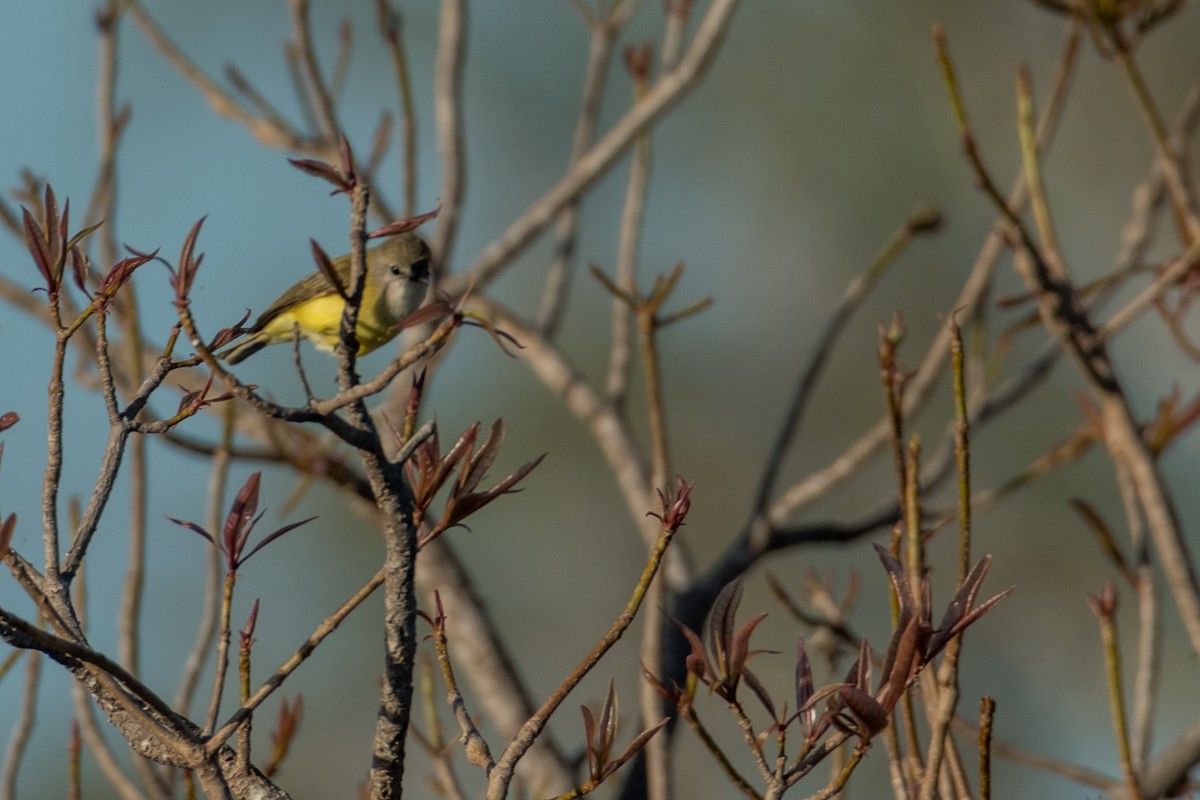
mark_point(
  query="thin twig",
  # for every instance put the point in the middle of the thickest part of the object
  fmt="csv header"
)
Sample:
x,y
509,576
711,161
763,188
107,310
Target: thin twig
x,y
632,211
206,629
667,91
970,296
987,714
1044,272
320,98
710,744
474,745
606,426
1179,186
839,782
55,589
389,23
341,63
944,706
1167,278
266,131
441,752
501,776
1149,633
222,665
1104,607
265,690
658,770
483,656
265,109
558,280
1147,664
448,121
22,728
852,296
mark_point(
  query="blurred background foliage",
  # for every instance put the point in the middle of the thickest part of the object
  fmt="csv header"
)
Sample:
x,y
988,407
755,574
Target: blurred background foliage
x,y
820,127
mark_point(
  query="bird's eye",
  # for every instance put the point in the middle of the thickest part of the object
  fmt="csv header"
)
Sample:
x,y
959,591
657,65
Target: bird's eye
x,y
396,270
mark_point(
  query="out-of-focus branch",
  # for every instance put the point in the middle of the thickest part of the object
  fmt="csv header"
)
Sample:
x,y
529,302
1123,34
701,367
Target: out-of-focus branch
x,y
1167,278
22,727
668,90
970,296
1029,758
1178,182
389,23
268,687
1044,273
855,292
268,128
604,31
99,750
501,775
111,124
206,630
267,131
447,115
609,431
484,659
1063,315
1168,769
637,60
1143,573
320,98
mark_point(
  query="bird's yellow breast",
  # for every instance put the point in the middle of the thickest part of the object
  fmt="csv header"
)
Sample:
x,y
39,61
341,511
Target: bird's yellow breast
x,y
320,318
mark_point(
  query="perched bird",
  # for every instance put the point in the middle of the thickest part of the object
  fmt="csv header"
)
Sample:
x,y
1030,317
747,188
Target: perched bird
x,y
397,275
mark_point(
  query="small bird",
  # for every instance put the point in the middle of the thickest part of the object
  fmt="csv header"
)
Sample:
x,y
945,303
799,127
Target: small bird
x,y
397,275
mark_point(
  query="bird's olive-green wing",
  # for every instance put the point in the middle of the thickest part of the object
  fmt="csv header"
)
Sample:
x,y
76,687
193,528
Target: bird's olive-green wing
x,y
315,285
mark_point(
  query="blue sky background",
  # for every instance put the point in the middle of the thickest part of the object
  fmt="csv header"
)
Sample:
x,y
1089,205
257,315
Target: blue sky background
x,y
820,127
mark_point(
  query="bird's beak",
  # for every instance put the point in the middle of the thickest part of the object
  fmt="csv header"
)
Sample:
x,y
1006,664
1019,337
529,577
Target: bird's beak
x,y
420,271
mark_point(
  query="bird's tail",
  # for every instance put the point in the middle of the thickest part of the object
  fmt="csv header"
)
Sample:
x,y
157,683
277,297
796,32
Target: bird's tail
x,y
235,354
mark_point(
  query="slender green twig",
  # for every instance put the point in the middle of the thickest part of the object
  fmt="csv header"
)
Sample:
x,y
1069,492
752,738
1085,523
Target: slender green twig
x,y
22,729
206,629
710,744
223,634
501,775
1179,187
838,783
962,453
1065,317
306,648
974,291
987,714
475,747
1104,606
943,705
